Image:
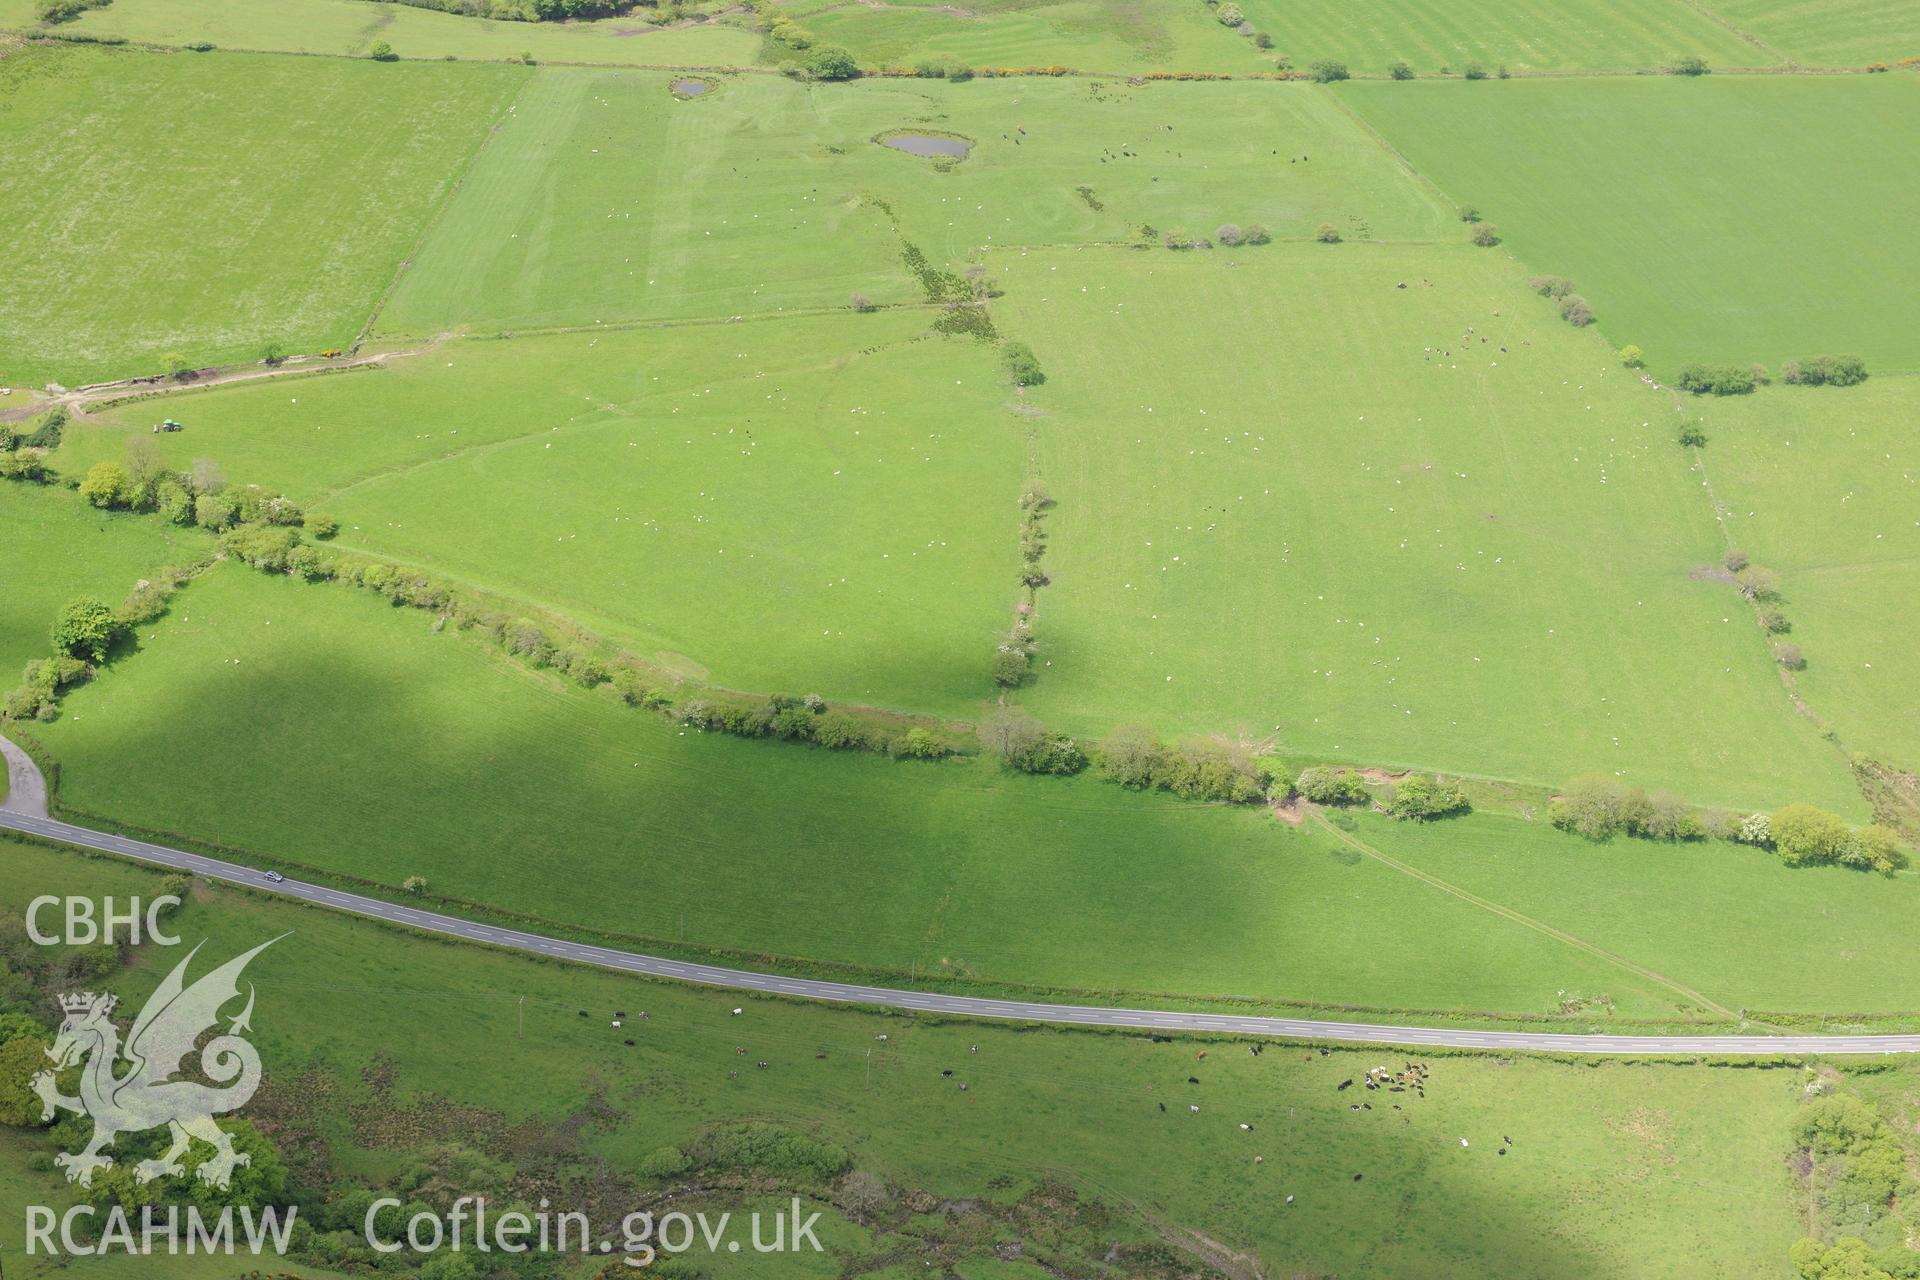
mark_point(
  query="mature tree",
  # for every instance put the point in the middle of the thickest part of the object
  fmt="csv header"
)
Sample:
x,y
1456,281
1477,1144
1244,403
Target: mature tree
x,y
106,485
1131,755
21,1058
920,744
1873,846
1758,582
1804,834
1010,666
1420,798
1010,733
207,476
85,628
1324,785
831,62
1593,806
1021,364
256,1184
1668,817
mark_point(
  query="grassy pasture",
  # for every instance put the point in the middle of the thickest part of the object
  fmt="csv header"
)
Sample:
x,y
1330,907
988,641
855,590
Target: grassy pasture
x,y
1609,1155
1823,485
1724,219
1546,35
209,204
1365,526
54,547
604,198
537,797
1829,32
1127,37
1153,153
532,791
1836,938
350,27
826,504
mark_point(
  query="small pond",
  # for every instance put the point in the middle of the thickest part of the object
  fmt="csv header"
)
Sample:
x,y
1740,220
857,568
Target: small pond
x,y
927,144
691,88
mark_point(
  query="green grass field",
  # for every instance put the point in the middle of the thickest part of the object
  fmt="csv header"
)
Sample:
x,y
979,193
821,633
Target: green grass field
x,y
1545,35
1366,527
1700,218
1611,1156
1834,937
1126,37
351,27
727,383
56,547
1822,484
1152,153
537,797
826,503
1829,32
206,205
605,198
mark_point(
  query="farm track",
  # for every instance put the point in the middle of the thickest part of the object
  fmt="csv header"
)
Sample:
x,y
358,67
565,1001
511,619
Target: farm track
x,y
25,821
1508,913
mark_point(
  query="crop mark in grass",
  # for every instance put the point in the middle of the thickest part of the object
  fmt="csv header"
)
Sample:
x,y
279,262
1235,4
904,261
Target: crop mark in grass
x,y
1738,30
1520,918
623,411
446,202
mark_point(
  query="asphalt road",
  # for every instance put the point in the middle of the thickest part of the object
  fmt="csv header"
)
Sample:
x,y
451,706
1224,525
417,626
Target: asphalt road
x,y
933,1002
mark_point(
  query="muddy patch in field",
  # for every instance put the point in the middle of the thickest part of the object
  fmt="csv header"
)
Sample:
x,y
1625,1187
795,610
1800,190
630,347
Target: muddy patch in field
x,y
930,146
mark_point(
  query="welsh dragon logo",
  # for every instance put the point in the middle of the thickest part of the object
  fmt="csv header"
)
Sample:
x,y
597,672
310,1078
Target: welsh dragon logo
x,y
147,1094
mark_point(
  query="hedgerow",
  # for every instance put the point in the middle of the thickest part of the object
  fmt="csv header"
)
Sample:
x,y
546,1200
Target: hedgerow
x,y
586,659
1324,785
1422,799
1828,371
83,636
1600,807
1198,769
1716,379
